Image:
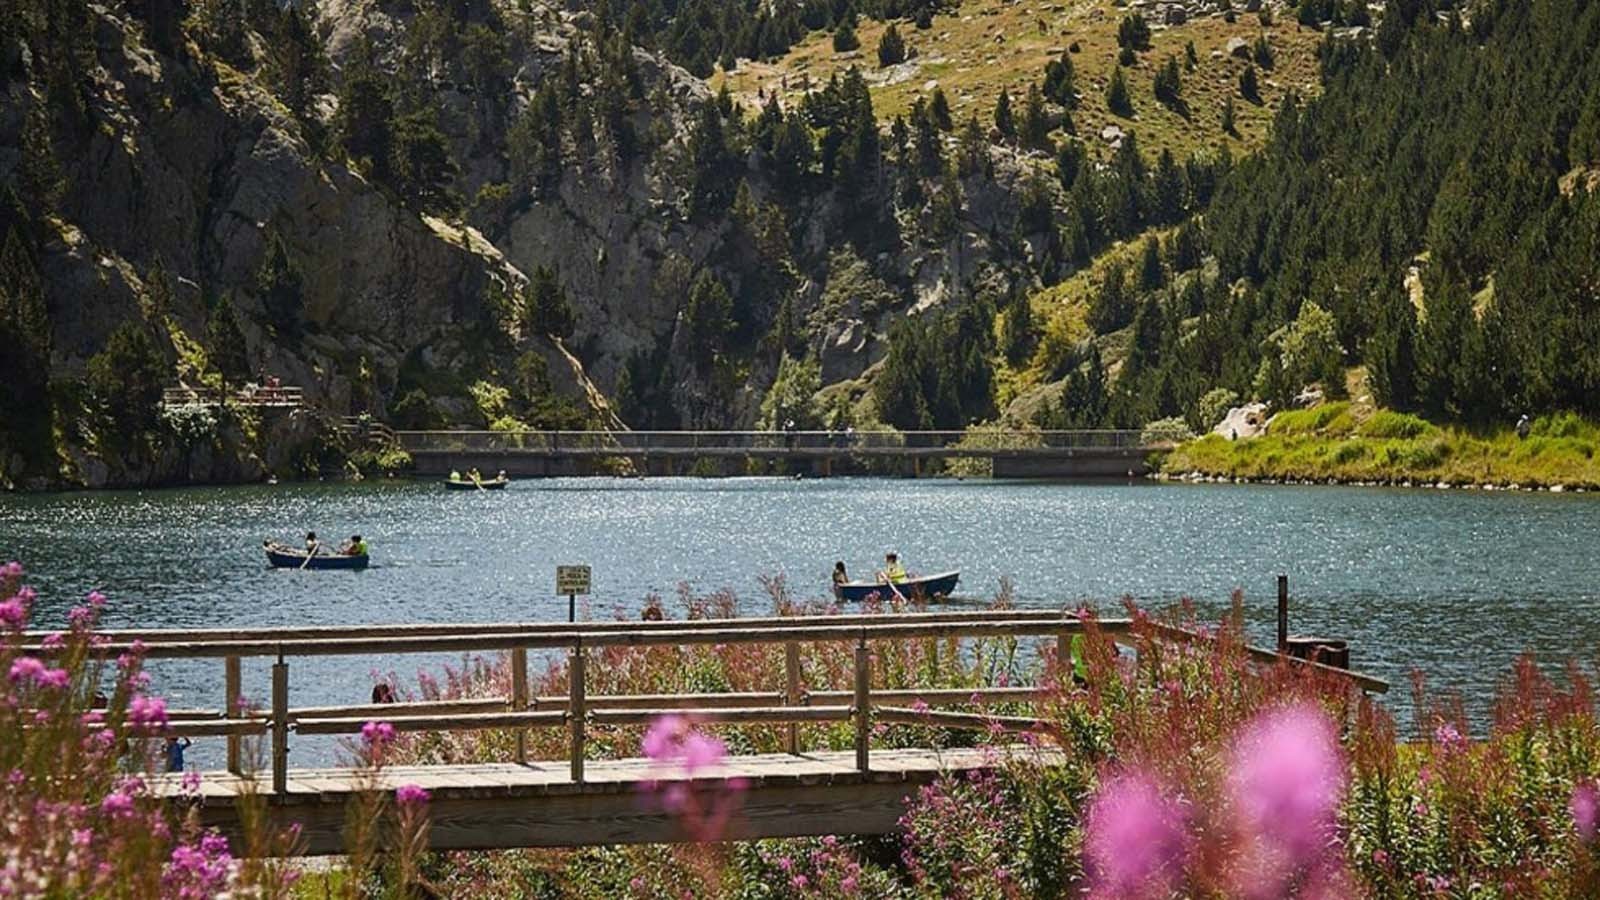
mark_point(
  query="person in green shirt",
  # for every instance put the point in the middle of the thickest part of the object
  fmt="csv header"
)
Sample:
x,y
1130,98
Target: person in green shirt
x,y
893,572
355,546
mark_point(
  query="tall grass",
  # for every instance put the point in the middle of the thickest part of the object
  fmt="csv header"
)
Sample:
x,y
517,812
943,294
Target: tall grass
x,y
1328,442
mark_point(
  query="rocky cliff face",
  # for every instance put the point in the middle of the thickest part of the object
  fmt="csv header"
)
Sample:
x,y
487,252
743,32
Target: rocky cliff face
x,y
185,164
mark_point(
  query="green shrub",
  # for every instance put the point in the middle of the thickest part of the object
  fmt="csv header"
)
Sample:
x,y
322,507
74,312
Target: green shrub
x,y
1560,425
1214,406
1389,424
1174,430
1310,421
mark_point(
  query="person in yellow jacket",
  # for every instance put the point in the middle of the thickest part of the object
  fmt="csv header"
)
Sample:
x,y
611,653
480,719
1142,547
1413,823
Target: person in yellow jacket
x,y
893,572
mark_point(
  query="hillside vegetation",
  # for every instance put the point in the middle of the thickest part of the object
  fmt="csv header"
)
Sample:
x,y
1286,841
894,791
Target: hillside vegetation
x,y
663,215
983,47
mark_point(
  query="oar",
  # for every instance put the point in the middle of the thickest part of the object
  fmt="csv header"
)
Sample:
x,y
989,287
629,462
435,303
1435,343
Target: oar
x,y
309,554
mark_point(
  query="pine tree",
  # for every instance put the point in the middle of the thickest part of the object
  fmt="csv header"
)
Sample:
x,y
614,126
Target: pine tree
x,y
1262,53
227,350
1070,160
1111,308
939,106
1035,124
1117,97
1060,81
1169,84
708,317
1018,341
125,381
1248,87
1133,32
1151,275
891,48
973,149
25,342
1003,121
546,307
278,285
844,36
1228,126
365,112
711,161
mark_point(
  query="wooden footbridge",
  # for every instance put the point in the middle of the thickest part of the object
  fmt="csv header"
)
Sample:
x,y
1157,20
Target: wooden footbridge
x,y
1021,453
579,799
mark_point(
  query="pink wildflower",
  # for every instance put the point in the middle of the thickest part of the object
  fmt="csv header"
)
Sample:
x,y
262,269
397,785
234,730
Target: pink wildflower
x,y
1135,841
663,738
26,669
918,706
55,640
410,795
117,805
1447,737
54,678
96,599
1287,781
147,712
80,618
700,751
1584,805
13,614
377,734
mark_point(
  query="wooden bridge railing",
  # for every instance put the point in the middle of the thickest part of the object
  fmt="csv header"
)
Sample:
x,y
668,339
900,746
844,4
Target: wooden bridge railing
x,y
284,397
595,442
576,710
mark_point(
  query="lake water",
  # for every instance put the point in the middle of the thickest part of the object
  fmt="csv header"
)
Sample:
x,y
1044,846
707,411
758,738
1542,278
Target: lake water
x,y
1454,583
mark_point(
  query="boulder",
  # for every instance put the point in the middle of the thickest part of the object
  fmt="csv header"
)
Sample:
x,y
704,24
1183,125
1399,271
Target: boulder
x,y
1247,421
1238,46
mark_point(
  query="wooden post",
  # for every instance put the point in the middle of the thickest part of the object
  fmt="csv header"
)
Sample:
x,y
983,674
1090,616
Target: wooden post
x,y
575,709
231,690
519,697
1283,614
1064,668
280,726
863,703
791,696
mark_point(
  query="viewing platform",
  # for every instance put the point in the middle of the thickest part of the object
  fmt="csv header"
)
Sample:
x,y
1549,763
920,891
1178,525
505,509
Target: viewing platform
x,y
1014,454
578,799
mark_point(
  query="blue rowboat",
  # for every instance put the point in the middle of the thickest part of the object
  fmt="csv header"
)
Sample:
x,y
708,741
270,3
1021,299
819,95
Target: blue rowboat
x,y
926,586
281,557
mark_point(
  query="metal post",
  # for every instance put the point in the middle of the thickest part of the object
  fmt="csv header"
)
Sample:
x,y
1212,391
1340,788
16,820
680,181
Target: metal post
x,y
1283,614
280,725
231,691
863,703
519,697
791,696
575,709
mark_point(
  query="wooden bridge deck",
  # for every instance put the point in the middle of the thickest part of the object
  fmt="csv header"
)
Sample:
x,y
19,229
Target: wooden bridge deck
x,y
509,805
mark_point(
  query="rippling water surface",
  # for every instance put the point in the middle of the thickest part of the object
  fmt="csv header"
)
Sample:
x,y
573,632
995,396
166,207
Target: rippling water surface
x,y
1453,583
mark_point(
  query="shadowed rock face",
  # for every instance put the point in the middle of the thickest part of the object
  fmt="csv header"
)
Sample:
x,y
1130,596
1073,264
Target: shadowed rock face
x,y
187,161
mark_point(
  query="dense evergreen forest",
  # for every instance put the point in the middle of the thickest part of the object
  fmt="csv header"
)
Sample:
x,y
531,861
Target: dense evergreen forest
x,y
1433,214
1430,213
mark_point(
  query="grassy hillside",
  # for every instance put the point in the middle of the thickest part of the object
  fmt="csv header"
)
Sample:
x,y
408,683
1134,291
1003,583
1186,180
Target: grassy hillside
x,y
1355,443
985,46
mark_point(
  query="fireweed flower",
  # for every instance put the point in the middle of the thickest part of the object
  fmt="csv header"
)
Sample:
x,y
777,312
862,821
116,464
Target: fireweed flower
x,y
1287,781
147,712
410,795
376,734
26,669
1584,806
1135,843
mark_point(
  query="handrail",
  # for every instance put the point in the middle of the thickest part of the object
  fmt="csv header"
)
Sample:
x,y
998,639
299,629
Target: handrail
x,y
576,711
840,442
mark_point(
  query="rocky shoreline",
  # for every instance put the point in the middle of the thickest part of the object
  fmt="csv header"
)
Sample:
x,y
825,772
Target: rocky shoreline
x,y
1198,477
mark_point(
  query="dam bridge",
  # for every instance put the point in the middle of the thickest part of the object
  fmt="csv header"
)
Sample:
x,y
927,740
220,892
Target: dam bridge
x,y
1013,454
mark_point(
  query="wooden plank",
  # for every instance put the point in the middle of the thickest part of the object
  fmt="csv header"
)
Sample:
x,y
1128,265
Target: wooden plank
x,y
232,693
466,722
967,721
745,716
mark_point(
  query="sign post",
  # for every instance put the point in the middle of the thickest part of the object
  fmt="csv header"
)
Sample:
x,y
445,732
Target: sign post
x,y
572,581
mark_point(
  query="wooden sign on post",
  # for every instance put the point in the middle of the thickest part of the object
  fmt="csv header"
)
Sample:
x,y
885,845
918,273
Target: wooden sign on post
x,y
572,581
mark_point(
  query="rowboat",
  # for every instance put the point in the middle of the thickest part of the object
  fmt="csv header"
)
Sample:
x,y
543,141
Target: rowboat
x,y
926,586
280,556
463,484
